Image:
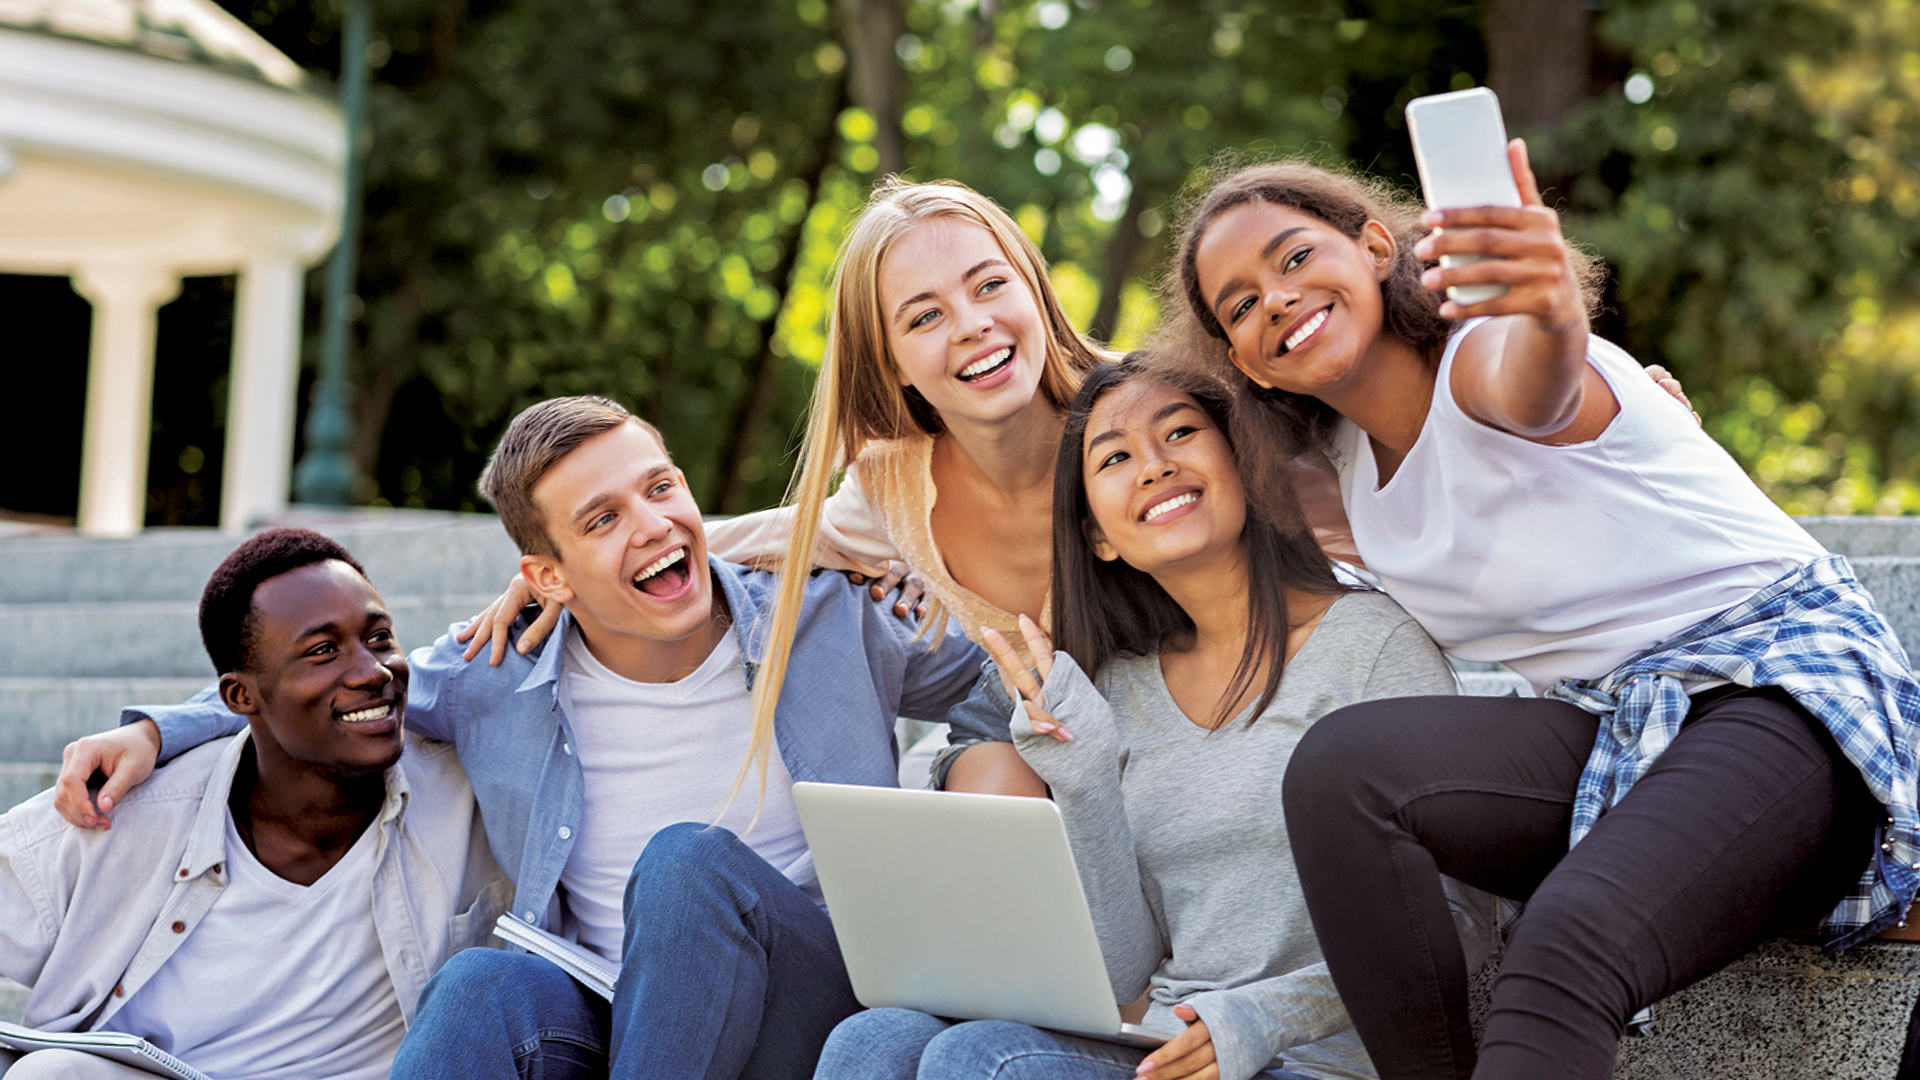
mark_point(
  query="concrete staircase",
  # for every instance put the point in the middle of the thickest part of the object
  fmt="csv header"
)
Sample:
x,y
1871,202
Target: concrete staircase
x,y
87,626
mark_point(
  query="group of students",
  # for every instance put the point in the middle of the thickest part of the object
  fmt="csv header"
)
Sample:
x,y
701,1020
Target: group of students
x,y
1122,595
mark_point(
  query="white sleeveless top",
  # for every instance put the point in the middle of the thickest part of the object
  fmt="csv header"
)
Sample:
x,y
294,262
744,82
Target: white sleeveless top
x,y
1563,561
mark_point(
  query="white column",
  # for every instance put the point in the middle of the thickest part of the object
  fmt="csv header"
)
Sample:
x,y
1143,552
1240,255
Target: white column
x,y
126,300
260,398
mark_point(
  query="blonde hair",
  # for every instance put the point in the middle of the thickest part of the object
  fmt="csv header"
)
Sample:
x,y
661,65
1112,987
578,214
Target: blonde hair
x,y
858,397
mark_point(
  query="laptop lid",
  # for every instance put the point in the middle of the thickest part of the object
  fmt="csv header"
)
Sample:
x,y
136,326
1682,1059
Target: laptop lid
x,y
958,905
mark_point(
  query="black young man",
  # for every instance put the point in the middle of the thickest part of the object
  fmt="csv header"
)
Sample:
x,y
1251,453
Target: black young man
x,y
268,905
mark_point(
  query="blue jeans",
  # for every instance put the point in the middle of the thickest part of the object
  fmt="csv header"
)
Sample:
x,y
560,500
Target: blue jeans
x,y
728,971
900,1044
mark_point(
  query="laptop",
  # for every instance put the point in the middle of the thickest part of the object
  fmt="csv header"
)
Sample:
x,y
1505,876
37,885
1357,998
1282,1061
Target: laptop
x,y
962,906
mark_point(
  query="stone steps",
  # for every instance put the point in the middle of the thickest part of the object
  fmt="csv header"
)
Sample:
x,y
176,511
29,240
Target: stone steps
x,y
88,626
40,715
22,780
407,553
161,638
1858,537
1785,1012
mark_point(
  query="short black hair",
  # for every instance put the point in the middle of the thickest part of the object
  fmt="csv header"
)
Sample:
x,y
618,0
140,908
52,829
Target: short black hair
x,y
226,606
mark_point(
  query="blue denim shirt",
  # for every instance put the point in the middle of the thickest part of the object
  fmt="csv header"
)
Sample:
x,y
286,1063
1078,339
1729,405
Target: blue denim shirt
x,y
855,667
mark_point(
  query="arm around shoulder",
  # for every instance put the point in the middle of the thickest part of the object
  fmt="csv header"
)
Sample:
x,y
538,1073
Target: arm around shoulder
x,y
148,736
853,534
433,668
201,718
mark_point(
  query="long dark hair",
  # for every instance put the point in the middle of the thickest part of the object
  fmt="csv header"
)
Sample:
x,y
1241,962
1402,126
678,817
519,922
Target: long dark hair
x,y
1107,609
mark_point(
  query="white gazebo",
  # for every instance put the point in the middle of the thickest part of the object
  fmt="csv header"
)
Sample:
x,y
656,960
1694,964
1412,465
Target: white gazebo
x,y
146,140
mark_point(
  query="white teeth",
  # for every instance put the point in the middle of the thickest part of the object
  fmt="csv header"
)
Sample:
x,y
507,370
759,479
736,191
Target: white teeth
x,y
661,563
987,363
1306,331
1174,503
378,712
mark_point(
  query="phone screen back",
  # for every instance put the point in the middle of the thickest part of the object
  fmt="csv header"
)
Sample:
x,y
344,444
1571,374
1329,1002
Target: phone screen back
x,y
1460,148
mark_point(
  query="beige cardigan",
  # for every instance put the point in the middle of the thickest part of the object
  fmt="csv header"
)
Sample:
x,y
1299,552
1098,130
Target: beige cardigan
x,y
882,511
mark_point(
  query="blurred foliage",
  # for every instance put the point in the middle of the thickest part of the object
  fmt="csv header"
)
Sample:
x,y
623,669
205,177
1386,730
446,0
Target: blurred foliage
x,y
1758,208
643,198
573,197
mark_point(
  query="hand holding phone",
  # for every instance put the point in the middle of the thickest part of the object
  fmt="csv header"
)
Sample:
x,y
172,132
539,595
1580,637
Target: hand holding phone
x,y
1460,148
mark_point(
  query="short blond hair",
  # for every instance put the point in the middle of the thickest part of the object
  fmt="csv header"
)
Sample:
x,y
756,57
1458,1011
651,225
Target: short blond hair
x,y
533,443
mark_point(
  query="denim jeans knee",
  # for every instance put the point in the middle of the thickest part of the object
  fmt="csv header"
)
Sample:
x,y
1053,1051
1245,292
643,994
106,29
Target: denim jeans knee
x,y
496,1015
878,1044
682,854
470,981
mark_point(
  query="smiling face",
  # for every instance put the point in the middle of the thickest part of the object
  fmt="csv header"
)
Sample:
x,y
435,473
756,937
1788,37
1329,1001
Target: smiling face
x,y
631,563
1299,300
327,684
1161,482
964,329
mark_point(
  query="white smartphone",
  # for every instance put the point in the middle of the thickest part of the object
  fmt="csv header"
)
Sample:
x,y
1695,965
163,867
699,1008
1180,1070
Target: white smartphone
x,y
1460,148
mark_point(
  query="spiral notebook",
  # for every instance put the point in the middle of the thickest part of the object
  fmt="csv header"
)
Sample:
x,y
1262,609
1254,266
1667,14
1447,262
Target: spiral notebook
x,y
588,968
112,1045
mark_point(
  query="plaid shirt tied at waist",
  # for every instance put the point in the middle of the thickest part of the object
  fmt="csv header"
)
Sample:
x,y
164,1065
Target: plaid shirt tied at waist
x,y
1815,634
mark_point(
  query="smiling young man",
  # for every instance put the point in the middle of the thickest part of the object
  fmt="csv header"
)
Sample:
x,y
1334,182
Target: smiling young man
x,y
625,733
270,905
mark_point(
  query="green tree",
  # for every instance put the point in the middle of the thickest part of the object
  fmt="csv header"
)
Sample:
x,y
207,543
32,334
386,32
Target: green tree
x,y
644,197
1752,183
576,197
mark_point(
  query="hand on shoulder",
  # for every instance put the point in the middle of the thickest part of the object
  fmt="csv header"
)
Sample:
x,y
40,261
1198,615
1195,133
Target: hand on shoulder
x,y
125,756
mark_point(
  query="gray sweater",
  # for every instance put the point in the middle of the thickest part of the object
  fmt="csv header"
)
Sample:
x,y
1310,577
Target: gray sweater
x,y
1182,847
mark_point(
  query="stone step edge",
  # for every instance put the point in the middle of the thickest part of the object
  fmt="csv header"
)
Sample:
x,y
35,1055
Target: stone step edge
x,y
90,682
23,609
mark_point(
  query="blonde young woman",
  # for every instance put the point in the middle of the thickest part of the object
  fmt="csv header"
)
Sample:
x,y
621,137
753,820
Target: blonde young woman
x,y
949,369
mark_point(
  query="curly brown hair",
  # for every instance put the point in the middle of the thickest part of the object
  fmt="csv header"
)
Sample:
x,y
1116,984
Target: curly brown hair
x,y
1274,427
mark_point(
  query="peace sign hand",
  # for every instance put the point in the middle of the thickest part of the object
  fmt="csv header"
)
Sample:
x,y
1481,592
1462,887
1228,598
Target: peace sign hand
x,y
1020,681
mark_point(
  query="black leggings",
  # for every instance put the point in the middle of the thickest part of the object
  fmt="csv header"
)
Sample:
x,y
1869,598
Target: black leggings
x,y
1750,822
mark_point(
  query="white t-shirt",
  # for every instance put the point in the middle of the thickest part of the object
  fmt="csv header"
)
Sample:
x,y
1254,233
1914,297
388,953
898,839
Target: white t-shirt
x,y
1563,561
278,981
653,755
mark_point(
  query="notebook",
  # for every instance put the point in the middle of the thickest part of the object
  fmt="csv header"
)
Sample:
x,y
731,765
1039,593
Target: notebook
x,y
588,968
113,1045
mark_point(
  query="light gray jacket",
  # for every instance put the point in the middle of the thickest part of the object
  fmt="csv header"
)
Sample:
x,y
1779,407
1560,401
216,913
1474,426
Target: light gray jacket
x,y
87,917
